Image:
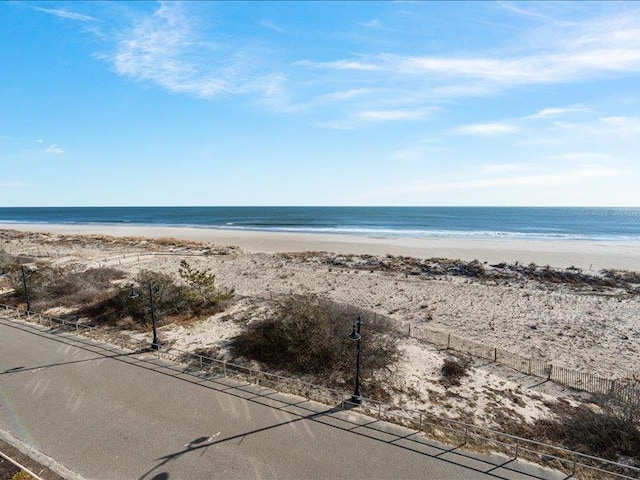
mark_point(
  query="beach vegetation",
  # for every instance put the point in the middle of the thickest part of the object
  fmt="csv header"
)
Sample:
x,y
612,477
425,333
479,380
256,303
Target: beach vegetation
x,y
202,285
547,275
65,287
607,427
453,370
309,336
101,295
172,302
625,276
21,475
602,432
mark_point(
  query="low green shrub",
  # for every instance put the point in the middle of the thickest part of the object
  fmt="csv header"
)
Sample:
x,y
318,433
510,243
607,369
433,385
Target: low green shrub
x,y
202,286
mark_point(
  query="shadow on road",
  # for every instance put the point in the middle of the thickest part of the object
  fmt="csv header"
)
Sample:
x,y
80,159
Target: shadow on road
x,y
40,367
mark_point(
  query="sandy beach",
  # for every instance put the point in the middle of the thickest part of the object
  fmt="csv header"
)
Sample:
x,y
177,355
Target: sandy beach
x,y
588,255
583,327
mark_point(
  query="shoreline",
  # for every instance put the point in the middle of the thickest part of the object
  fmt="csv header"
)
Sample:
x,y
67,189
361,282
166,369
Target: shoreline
x,y
590,255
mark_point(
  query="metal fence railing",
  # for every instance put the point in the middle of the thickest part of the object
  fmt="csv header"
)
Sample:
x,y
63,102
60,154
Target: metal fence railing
x,y
432,426
122,341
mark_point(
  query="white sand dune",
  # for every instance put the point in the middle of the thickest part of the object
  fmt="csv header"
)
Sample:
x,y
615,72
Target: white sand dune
x,y
580,328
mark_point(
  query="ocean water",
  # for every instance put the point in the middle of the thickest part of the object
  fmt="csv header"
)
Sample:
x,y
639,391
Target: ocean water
x,y
604,224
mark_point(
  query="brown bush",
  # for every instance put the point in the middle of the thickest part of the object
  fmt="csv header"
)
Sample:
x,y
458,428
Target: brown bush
x,y
453,370
622,276
171,302
601,434
436,266
308,335
67,287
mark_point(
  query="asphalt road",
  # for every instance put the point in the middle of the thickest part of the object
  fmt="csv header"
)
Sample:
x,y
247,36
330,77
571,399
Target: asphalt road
x,y
108,414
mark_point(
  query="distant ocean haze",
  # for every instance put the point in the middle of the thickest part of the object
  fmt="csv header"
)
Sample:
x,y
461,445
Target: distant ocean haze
x,y
558,223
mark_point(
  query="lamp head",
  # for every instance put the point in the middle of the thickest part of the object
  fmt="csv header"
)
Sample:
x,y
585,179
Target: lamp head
x,y
354,335
133,294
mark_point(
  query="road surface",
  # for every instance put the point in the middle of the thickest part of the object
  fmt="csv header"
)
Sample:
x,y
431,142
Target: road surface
x,y
105,413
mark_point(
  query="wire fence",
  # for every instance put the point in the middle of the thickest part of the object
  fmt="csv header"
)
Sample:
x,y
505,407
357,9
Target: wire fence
x,y
627,390
442,429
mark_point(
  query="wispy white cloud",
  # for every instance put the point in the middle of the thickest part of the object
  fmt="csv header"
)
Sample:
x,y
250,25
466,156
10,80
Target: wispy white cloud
x,y
628,126
66,14
392,115
339,125
342,65
367,117
529,69
348,94
614,127
556,112
53,149
370,24
598,47
580,157
517,8
270,25
508,167
547,126
487,129
165,48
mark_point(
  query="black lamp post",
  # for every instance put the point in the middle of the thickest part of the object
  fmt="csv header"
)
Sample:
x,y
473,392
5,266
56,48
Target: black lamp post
x,y
26,290
155,344
355,335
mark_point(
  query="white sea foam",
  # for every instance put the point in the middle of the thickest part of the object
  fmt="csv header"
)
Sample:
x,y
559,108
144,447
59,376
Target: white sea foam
x,y
426,233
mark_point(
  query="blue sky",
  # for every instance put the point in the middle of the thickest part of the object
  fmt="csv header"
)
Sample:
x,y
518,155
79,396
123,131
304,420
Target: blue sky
x,y
331,103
